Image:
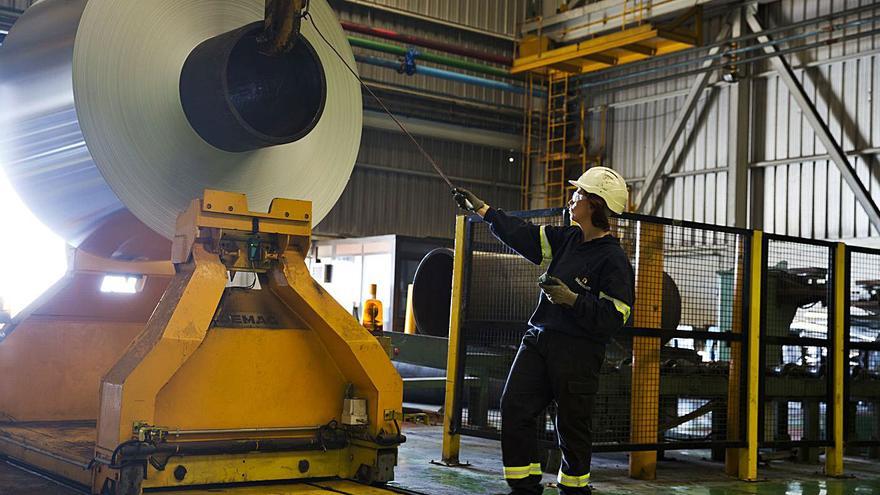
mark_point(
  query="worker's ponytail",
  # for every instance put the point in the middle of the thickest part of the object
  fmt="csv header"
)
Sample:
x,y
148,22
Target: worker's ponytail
x,y
600,212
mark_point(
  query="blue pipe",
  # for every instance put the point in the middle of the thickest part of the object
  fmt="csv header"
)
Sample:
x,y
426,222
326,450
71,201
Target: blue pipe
x,y
446,74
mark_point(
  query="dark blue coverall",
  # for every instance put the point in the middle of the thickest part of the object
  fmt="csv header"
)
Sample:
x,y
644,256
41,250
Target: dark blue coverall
x,y
562,353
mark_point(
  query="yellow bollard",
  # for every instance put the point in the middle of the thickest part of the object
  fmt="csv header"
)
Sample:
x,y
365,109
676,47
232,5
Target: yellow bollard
x,y
834,454
451,439
748,456
409,327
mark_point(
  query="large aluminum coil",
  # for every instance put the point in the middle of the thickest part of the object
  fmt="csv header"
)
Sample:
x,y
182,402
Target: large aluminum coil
x,y
94,124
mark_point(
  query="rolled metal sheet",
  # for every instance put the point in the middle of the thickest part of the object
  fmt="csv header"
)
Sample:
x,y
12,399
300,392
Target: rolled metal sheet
x,y
93,122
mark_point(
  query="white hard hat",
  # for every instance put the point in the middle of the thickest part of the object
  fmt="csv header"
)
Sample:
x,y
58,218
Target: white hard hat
x,y
607,184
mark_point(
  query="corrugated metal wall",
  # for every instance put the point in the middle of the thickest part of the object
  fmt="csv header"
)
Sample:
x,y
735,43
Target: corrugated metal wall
x,y
497,16
698,189
803,191
16,4
394,191
9,11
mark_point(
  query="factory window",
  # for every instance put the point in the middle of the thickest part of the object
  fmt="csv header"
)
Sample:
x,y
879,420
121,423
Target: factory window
x,y
121,284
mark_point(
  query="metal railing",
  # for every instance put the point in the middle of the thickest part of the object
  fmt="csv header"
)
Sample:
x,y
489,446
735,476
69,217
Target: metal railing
x,y
739,340
862,351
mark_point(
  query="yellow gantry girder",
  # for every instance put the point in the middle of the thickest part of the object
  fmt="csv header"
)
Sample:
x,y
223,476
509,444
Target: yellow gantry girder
x,y
622,47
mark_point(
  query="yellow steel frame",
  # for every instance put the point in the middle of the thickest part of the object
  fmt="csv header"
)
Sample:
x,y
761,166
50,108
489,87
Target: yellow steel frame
x,y
748,456
452,439
176,329
153,382
648,313
623,47
834,454
178,368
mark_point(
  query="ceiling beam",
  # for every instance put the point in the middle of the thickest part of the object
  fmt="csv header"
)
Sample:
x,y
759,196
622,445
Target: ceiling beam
x,y
602,59
640,49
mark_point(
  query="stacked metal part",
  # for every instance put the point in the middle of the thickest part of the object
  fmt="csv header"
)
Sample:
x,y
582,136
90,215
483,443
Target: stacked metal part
x,y
120,107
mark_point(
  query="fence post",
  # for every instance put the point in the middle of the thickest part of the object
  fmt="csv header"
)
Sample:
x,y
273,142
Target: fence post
x,y
834,454
451,437
734,384
748,456
648,312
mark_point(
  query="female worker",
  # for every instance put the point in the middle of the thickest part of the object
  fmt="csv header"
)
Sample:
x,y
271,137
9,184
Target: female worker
x,y
586,296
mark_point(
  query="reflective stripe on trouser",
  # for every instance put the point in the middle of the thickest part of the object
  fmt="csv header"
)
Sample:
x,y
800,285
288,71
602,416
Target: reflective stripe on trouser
x,y
573,481
550,366
520,472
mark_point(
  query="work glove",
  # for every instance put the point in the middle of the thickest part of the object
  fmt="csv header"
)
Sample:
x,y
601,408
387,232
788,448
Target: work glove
x,y
557,292
466,200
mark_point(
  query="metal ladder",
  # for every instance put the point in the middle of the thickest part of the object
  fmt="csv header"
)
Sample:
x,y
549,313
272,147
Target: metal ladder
x,y
566,151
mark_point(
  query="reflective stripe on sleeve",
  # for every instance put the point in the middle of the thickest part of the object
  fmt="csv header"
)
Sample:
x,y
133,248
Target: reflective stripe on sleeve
x,y
546,251
573,481
621,306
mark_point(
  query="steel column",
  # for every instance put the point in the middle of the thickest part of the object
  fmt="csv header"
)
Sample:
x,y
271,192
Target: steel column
x,y
690,103
786,74
738,151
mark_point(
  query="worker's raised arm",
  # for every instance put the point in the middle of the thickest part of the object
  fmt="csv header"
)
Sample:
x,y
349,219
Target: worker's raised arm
x,y
532,242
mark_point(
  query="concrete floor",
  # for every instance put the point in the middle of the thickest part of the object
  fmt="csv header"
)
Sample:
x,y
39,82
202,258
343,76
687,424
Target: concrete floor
x,y
683,474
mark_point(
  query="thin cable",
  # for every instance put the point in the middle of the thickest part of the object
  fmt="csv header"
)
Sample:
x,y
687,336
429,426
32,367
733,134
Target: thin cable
x,y
381,104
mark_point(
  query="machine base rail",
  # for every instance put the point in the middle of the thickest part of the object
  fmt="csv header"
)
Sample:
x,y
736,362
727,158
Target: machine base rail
x,y
46,475
332,485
